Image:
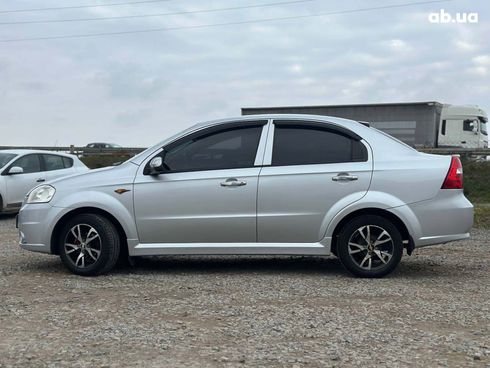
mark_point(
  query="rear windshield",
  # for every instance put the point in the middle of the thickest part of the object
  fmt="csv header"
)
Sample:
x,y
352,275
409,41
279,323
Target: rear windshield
x,y
5,158
393,138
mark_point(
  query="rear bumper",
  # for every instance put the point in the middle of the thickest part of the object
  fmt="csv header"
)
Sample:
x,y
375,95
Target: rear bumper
x,y
445,218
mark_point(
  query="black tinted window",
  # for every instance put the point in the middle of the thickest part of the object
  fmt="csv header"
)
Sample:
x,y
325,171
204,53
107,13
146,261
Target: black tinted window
x,y
53,162
228,149
29,163
302,145
67,162
470,125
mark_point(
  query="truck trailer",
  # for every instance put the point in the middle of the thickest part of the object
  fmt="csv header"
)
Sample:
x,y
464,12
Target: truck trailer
x,y
418,124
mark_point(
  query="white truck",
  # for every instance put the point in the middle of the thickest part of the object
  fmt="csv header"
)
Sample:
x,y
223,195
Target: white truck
x,y
419,124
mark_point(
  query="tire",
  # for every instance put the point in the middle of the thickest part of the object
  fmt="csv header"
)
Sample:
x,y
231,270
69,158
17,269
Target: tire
x,y
89,245
376,258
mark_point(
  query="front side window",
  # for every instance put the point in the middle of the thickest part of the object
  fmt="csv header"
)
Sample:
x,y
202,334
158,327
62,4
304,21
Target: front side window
x,y
53,162
226,149
301,144
470,125
29,163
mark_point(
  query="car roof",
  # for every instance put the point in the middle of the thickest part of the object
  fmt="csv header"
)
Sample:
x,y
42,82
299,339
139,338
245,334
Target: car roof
x,y
346,123
27,151
310,117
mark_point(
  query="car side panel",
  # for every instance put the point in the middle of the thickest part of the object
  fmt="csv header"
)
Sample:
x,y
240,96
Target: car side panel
x,y
411,178
293,200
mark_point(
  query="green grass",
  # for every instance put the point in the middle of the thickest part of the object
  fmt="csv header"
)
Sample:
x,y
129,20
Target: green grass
x,y
477,181
482,217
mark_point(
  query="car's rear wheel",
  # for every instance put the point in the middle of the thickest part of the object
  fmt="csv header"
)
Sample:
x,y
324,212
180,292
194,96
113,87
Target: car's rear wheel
x,y
89,245
370,246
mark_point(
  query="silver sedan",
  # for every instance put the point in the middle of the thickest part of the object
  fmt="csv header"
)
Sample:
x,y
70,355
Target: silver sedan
x,y
266,184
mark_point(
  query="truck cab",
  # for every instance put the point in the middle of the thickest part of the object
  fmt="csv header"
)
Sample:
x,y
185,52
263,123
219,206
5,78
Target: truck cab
x,y
463,126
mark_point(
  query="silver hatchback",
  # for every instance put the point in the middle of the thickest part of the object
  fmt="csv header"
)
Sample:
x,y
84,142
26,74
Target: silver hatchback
x,y
264,184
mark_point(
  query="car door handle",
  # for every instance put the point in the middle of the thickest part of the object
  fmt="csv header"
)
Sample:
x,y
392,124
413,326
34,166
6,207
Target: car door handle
x,y
232,182
40,180
345,177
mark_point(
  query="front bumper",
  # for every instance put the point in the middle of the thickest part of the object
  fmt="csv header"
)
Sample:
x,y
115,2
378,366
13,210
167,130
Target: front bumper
x,y
35,223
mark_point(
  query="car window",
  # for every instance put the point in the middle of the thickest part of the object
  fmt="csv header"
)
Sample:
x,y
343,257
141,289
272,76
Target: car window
x,y
226,149
53,162
5,158
67,162
470,125
300,144
29,163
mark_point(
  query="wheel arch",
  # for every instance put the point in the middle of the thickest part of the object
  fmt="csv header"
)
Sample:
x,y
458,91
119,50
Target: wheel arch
x,y
54,244
390,216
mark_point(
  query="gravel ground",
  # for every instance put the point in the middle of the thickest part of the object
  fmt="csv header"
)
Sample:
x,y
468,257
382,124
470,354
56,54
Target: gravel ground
x,y
246,311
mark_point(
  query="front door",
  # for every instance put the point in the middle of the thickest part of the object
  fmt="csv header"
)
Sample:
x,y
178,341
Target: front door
x,y
19,184
208,192
313,169
459,132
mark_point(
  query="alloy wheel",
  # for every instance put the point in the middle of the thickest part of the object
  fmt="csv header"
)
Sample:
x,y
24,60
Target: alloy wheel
x,y
83,245
371,247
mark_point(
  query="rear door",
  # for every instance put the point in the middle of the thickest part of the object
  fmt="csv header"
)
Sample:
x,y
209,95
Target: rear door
x,y
314,167
19,184
57,166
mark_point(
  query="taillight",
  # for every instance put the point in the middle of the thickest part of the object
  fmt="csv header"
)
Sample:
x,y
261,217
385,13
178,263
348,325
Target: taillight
x,y
454,177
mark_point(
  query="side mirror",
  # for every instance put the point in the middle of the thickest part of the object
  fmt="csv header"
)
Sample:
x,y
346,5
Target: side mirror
x,y
156,166
14,170
156,162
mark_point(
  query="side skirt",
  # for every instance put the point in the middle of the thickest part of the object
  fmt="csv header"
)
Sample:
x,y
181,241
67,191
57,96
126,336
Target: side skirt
x,y
155,249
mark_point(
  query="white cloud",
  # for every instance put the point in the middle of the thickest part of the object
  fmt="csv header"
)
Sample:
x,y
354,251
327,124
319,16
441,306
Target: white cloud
x,y
465,45
482,60
120,88
295,68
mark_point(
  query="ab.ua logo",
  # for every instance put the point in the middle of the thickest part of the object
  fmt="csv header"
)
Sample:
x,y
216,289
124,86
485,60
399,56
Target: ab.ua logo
x,y
444,17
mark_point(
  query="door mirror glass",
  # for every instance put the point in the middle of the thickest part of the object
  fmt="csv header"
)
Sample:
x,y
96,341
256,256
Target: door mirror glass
x,y
14,170
156,166
156,162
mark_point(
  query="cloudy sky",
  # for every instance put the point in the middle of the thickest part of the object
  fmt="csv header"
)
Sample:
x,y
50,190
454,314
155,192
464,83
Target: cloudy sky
x,y
136,89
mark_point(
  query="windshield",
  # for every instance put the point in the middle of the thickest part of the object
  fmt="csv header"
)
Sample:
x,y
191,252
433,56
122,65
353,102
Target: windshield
x,y
5,158
483,125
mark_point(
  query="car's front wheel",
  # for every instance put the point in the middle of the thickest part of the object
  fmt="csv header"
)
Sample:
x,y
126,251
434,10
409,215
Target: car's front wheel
x,y
89,245
370,246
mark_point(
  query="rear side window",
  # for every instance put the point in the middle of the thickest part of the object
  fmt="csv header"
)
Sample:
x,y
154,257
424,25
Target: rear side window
x,y
67,162
53,162
302,144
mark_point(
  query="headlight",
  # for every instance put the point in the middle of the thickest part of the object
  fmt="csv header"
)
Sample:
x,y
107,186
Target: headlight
x,y
41,194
